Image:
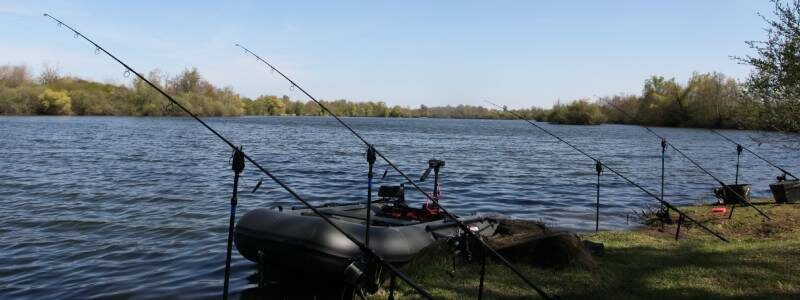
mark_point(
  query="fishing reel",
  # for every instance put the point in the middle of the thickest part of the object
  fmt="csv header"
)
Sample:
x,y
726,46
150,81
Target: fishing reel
x,y
361,275
460,246
464,244
781,178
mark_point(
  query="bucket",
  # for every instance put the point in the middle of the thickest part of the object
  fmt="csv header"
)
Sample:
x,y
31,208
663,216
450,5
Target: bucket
x,y
734,193
787,191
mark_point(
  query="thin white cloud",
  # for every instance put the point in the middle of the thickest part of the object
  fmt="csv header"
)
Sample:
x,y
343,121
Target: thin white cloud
x,y
12,9
35,9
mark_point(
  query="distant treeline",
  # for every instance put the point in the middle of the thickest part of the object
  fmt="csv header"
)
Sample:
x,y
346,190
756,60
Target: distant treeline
x,y
272,105
52,94
706,100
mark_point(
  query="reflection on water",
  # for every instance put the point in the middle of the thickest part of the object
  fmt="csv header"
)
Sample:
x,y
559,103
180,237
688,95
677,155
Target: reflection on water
x,y
138,207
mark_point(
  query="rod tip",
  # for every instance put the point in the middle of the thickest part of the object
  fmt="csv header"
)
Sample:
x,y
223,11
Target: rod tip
x,y
46,14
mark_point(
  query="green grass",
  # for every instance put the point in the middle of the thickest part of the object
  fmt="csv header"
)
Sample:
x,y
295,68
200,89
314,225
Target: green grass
x,y
762,261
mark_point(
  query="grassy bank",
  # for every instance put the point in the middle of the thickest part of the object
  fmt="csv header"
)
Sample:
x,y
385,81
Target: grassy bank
x,y
762,261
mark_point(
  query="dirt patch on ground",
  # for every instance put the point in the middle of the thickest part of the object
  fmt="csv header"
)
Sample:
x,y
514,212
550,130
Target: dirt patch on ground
x,y
510,233
770,229
534,244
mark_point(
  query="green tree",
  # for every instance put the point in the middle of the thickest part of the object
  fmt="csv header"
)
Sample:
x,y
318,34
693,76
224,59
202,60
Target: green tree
x,y
628,106
90,102
423,110
54,103
578,112
712,101
188,81
775,79
275,107
662,102
22,100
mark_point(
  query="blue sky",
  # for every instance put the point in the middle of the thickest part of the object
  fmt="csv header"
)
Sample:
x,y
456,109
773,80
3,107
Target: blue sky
x,y
520,53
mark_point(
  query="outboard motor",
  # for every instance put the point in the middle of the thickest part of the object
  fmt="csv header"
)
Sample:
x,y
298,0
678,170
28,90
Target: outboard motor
x,y
399,209
435,165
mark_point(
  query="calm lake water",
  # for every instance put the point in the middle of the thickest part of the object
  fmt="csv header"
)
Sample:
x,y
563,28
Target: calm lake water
x,y
138,207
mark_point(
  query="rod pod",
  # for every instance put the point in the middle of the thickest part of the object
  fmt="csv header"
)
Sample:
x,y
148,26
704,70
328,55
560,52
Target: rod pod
x,y
483,274
739,149
738,156
237,165
598,166
664,209
371,161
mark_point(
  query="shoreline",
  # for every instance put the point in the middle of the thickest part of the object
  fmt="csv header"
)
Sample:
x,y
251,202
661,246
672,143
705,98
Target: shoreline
x,y
373,117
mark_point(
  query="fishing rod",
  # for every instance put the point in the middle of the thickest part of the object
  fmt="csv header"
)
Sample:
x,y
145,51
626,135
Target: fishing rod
x,y
665,203
755,154
460,224
724,186
237,151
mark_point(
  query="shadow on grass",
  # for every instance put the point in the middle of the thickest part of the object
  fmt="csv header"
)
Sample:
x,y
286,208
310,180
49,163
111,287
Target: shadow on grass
x,y
682,270
687,272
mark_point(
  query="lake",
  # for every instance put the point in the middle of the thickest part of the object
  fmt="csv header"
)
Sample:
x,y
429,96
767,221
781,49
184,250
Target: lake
x,y
138,207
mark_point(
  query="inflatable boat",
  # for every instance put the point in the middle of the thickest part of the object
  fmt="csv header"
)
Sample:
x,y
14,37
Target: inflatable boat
x,y
296,243
300,243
